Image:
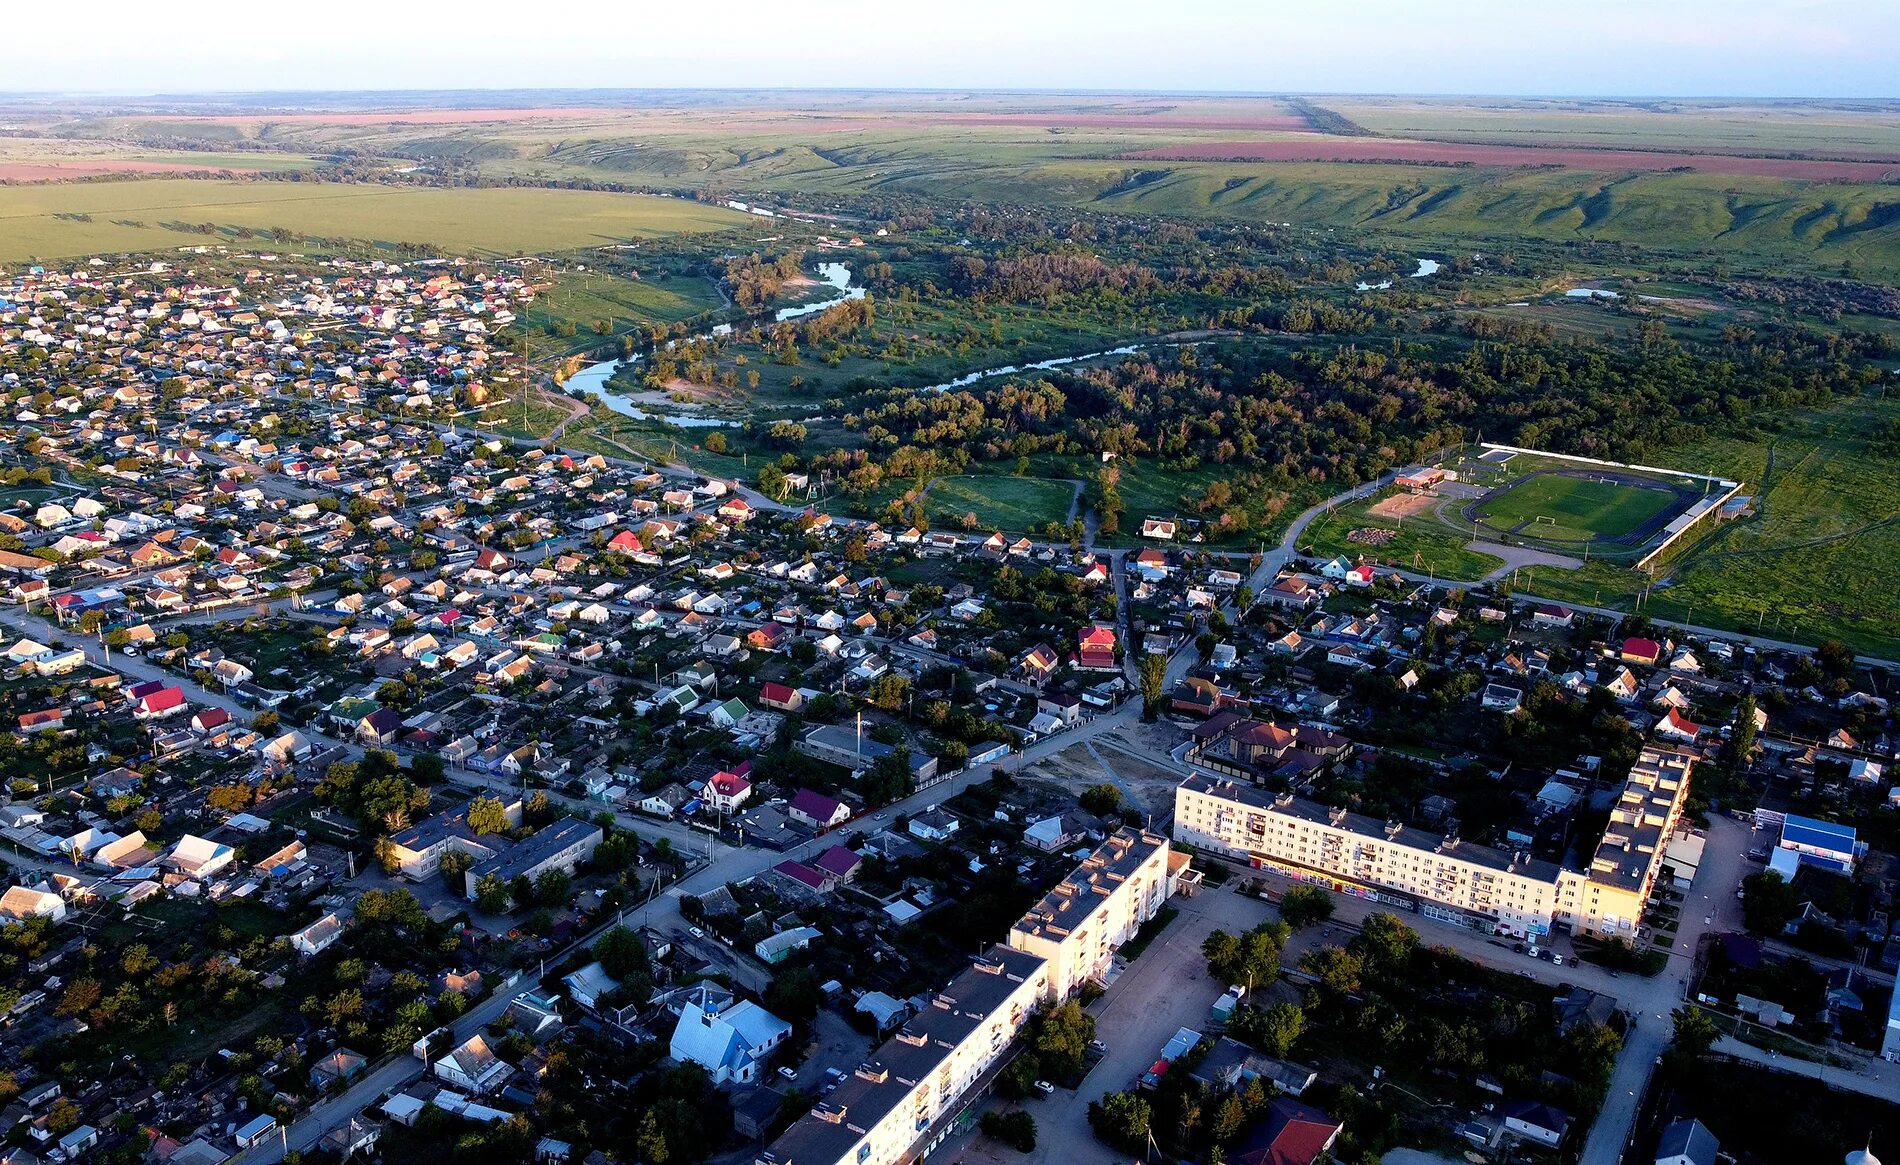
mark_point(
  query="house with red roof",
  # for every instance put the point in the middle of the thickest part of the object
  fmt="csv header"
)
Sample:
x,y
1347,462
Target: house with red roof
x,y
210,719
800,880
1150,564
1292,1134
768,637
1037,665
1551,615
1677,727
780,697
625,542
838,863
725,792
51,718
1095,649
160,704
1643,651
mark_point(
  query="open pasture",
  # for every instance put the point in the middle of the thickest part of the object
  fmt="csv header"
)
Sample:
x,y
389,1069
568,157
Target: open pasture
x,y
1013,505
57,222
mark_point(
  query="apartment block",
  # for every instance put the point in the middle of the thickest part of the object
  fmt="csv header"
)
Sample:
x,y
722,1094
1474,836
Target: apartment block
x,y
1078,925
900,1104
1608,899
1440,876
896,1106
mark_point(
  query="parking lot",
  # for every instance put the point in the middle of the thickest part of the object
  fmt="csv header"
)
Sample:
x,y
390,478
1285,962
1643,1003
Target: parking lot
x,y
1164,990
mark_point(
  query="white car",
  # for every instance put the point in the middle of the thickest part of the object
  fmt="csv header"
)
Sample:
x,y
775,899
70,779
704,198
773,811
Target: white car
x,y
1046,1088
695,932
788,1073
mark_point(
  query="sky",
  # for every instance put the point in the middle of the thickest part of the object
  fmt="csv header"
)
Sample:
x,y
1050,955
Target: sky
x,y
1663,48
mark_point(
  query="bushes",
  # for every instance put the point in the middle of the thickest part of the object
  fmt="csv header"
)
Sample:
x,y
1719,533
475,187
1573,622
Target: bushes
x,y
1015,1129
1305,905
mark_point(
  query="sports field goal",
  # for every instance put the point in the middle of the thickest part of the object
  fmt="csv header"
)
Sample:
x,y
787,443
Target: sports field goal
x,y
1543,520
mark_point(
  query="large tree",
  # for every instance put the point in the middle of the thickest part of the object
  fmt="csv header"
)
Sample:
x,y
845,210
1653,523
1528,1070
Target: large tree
x,y
487,815
1061,1038
1154,680
1122,1119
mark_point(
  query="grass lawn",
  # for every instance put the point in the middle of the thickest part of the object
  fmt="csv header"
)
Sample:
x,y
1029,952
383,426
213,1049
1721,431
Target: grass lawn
x,y
585,298
162,214
1573,509
1011,504
1416,545
1820,559
613,435
10,495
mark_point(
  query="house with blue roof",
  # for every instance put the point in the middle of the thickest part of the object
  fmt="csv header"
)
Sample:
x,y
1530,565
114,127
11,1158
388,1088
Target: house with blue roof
x,y
1687,1142
730,1040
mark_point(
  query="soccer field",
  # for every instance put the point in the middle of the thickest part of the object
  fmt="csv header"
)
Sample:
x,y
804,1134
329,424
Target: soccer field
x,y
1574,508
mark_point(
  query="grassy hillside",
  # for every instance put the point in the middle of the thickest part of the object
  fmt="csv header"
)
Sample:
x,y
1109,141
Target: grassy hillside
x,y
52,222
1080,150
1771,221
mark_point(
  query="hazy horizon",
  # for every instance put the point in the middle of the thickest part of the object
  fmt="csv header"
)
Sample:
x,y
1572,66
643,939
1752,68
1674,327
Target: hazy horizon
x,y
1705,49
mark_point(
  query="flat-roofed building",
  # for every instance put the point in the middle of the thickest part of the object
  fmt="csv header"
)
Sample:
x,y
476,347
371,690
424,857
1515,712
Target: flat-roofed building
x,y
1078,925
1811,842
903,1101
900,1103
418,849
1441,877
1609,898
561,846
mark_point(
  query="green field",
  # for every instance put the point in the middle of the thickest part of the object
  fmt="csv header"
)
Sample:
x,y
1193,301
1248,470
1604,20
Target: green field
x,y
1010,504
1425,547
162,214
1832,130
1821,558
1563,508
625,305
1766,221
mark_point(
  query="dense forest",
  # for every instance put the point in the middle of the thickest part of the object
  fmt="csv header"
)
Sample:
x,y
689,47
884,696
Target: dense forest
x,y
1277,414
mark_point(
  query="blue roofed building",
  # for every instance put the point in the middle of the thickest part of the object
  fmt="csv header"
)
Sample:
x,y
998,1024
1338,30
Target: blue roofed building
x,y
1686,1142
1808,842
731,1041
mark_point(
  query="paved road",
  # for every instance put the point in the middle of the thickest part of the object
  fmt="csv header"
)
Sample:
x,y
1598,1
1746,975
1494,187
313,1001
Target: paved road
x,y
662,913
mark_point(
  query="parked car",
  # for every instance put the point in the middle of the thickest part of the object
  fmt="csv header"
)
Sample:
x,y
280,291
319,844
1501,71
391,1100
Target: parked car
x,y
788,1073
1046,1088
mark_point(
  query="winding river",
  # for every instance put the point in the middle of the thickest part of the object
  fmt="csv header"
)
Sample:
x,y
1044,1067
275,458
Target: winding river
x,y
653,405
592,379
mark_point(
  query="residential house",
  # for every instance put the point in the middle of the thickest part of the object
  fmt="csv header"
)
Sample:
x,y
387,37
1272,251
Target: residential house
x,y
472,1067
1536,1121
318,937
1687,1142
817,810
732,1042
1293,1133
